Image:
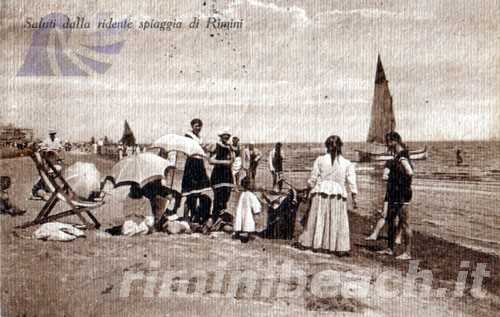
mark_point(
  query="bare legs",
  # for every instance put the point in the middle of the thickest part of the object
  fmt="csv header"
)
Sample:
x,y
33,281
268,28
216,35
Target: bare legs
x,y
401,211
376,231
405,228
380,225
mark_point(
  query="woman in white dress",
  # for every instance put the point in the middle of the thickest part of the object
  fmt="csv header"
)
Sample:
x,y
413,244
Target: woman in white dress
x,y
328,224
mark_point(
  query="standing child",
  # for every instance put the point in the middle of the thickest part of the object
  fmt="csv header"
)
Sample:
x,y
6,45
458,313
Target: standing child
x,y
248,206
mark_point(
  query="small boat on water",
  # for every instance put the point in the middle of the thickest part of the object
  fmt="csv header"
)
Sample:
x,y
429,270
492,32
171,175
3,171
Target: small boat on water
x,y
421,154
382,121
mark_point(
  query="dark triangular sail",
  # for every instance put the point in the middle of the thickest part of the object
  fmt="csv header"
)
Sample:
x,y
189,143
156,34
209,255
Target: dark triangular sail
x,y
382,116
128,137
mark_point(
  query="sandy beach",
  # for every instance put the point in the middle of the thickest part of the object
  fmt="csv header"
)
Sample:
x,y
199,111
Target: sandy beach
x,y
343,77
89,276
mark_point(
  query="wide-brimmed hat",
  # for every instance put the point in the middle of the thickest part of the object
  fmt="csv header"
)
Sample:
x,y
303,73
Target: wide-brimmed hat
x,y
52,131
224,131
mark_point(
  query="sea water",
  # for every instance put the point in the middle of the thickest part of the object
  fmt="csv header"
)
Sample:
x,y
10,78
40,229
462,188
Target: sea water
x,y
458,203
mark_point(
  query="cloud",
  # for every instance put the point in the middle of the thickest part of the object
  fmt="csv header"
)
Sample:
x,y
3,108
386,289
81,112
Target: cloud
x,y
369,14
298,15
296,12
366,13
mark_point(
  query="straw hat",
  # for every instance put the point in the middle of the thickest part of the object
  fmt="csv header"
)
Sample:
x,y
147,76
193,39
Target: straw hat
x,y
52,131
224,131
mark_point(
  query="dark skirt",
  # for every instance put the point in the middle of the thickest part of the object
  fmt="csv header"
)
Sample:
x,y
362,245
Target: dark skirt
x,y
222,176
195,179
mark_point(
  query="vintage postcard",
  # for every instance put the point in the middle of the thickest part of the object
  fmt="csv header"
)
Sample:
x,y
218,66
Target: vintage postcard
x,y
249,158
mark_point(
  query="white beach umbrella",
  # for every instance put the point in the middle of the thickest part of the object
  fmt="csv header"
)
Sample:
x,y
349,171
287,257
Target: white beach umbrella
x,y
177,143
139,169
84,178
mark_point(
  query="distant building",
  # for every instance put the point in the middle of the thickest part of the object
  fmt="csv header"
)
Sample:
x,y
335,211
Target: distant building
x,y
11,135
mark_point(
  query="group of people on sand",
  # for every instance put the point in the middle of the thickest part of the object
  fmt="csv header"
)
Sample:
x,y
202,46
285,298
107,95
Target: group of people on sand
x,y
234,170
327,225
331,183
332,178
228,160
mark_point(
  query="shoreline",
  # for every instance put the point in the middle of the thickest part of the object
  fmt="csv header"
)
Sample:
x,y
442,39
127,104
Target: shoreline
x,y
441,256
22,259
361,223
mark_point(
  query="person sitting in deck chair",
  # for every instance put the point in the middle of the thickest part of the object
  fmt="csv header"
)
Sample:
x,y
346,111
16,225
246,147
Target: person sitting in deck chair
x,y
40,189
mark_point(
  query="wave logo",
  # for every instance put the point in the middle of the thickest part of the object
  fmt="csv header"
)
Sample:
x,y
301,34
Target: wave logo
x,y
58,50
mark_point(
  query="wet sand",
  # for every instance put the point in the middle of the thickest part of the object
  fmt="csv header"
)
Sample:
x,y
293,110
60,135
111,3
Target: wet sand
x,y
85,277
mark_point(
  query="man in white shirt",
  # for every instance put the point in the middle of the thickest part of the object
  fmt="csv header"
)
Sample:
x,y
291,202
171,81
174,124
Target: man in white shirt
x,y
52,143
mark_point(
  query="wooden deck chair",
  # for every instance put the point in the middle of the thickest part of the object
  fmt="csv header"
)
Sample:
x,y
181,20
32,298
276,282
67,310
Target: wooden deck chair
x,y
61,191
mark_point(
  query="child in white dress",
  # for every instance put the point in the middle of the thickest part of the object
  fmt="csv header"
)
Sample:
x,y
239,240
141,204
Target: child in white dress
x,y
248,206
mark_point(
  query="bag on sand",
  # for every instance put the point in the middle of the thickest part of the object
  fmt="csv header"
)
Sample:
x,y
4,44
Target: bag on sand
x,y
56,231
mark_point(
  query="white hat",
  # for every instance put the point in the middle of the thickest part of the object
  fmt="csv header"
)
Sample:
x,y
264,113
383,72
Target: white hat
x,y
52,131
224,131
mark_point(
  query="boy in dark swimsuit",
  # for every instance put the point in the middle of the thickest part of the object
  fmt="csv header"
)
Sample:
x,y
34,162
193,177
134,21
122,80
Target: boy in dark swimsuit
x,y
399,194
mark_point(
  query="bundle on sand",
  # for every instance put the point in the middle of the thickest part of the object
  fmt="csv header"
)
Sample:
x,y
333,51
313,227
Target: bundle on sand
x,y
133,228
177,227
56,231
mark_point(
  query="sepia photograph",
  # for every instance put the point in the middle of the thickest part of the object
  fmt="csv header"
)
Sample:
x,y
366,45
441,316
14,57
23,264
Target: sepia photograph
x,y
250,158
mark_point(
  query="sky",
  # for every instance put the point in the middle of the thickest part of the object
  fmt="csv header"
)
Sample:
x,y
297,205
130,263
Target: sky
x,y
297,71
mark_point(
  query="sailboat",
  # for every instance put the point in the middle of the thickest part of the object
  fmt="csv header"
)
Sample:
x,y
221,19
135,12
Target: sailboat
x,y
382,121
128,137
